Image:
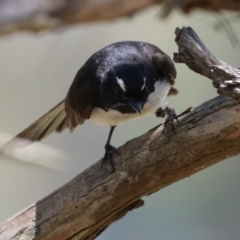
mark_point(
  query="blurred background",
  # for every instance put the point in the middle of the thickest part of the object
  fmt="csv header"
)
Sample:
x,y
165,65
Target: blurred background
x,y
36,72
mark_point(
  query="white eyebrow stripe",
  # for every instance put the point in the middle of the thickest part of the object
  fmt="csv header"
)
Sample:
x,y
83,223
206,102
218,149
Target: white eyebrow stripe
x,y
121,84
144,83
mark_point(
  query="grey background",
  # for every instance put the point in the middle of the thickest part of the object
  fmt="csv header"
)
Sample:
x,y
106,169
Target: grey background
x,y
36,72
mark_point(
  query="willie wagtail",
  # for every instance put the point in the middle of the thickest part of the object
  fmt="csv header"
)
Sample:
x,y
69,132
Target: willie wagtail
x,y
123,81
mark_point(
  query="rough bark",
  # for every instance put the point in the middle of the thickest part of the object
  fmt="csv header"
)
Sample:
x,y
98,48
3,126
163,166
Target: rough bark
x,y
38,15
198,58
94,199
84,207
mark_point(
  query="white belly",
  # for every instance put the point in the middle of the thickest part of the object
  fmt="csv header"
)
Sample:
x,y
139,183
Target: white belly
x,y
112,117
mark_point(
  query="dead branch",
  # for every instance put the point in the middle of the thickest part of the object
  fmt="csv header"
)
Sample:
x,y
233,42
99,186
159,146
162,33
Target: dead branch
x,y
211,5
198,58
88,204
38,15
84,207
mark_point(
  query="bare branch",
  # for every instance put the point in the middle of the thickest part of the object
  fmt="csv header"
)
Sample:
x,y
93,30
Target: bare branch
x,y
198,58
38,15
85,206
212,5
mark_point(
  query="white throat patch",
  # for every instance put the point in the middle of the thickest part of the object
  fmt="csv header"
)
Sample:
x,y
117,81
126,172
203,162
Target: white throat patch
x,y
121,84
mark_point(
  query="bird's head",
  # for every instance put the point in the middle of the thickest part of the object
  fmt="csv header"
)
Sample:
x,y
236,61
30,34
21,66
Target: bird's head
x,y
127,87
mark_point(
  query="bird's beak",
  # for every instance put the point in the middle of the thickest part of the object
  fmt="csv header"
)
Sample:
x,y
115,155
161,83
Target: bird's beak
x,y
137,106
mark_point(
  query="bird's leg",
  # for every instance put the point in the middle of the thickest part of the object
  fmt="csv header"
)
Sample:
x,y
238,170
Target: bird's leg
x,y
109,150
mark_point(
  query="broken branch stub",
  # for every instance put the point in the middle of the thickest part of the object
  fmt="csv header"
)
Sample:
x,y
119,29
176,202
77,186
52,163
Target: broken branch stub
x,y
198,58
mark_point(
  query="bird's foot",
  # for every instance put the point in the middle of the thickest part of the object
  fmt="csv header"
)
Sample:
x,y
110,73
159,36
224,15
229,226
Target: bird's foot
x,y
171,116
109,150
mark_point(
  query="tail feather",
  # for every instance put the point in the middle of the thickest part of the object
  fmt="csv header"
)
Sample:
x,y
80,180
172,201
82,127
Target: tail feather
x,y
54,120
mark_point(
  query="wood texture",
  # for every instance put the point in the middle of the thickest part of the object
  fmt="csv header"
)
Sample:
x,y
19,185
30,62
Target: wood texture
x,y
198,58
85,206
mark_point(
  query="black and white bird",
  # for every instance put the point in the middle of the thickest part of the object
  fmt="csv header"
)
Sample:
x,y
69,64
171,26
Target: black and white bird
x,y
121,82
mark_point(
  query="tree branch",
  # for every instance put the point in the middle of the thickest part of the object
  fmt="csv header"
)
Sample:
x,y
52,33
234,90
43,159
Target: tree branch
x,y
38,15
94,199
198,58
84,207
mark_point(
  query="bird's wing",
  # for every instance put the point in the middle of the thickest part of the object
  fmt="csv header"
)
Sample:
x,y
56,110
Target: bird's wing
x,y
172,91
161,60
54,120
82,95
165,66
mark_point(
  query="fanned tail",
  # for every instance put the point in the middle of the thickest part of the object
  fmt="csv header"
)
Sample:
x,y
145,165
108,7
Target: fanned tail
x,y
54,120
